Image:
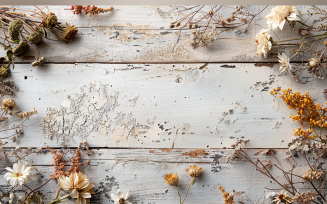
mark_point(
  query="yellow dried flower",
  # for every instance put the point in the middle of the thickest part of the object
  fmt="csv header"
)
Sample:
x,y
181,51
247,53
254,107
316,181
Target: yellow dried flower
x,y
228,199
69,33
172,179
4,72
194,170
9,103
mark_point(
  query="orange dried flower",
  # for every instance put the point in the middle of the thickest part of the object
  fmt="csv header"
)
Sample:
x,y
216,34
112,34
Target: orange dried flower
x,y
194,170
228,199
172,179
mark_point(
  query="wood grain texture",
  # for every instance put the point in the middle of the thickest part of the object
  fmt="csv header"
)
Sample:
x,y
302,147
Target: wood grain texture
x,y
158,105
137,34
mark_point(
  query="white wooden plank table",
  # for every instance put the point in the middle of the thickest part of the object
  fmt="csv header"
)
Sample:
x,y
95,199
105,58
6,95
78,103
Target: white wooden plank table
x,y
147,111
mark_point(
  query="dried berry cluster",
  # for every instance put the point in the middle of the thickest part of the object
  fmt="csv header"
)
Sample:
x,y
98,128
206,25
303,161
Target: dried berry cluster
x,y
91,10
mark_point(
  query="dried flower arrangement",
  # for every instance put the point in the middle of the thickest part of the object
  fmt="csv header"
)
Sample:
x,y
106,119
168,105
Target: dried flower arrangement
x,y
311,43
208,22
172,179
23,28
91,10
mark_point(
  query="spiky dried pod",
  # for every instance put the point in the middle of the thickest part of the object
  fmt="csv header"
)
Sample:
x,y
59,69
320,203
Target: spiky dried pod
x,y
14,29
20,48
4,72
36,36
69,33
50,21
38,62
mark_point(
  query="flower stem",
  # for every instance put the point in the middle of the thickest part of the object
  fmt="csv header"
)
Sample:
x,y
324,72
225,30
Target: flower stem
x,y
59,199
180,198
188,188
309,36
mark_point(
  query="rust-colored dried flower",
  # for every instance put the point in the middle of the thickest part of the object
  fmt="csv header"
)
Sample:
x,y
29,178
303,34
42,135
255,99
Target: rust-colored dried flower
x,y
313,62
4,72
194,170
69,33
9,103
79,185
228,199
171,179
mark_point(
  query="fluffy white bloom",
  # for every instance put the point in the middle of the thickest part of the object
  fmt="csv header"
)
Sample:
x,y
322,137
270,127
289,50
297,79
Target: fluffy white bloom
x,y
263,41
280,14
19,174
121,197
284,63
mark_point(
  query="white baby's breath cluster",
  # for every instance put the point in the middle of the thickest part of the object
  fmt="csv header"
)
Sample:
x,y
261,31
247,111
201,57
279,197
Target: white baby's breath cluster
x,y
238,146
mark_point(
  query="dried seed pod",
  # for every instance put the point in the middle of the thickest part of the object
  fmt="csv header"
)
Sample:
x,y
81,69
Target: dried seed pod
x,y
190,25
210,12
14,29
20,48
36,37
313,62
4,72
50,21
303,32
69,33
172,26
178,24
38,62
196,25
9,103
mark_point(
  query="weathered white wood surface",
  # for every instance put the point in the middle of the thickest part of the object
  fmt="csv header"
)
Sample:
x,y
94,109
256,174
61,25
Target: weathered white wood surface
x,y
134,34
148,114
158,105
142,171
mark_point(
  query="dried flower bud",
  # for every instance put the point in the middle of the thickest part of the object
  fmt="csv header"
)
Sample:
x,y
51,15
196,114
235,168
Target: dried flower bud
x,y
38,62
178,24
171,179
69,33
190,26
171,26
313,62
325,43
194,170
9,103
303,32
4,72
210,12
20,48
14,29
50,21
36,36
196,25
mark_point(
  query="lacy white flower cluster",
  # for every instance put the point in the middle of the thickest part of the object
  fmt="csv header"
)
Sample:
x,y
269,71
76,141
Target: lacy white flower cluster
x,y
299,144
238,146
276,19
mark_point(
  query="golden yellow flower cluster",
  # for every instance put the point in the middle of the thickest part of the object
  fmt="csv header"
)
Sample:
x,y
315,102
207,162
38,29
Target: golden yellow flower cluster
x,y
171,179
308,113
228,199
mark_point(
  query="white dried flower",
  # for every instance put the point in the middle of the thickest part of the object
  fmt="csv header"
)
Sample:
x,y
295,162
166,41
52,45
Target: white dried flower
x,y
19,174
121,197
280,14
11,196
285,64
264,42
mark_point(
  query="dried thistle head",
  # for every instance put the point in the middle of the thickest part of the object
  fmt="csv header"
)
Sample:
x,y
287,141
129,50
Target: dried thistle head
x,y
4,72
36,36
9,104
171,179
38,62
14,29
20,48
50,21
194,170
69,33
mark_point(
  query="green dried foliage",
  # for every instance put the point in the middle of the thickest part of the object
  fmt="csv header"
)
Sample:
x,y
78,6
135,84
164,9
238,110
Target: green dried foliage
x,y
20,48
14,29
36,37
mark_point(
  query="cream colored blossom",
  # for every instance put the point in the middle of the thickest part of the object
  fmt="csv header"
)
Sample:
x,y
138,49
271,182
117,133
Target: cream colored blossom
x,y
121,197
264,42
79,185
285,64
280,14
194,170
19,174
282,197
